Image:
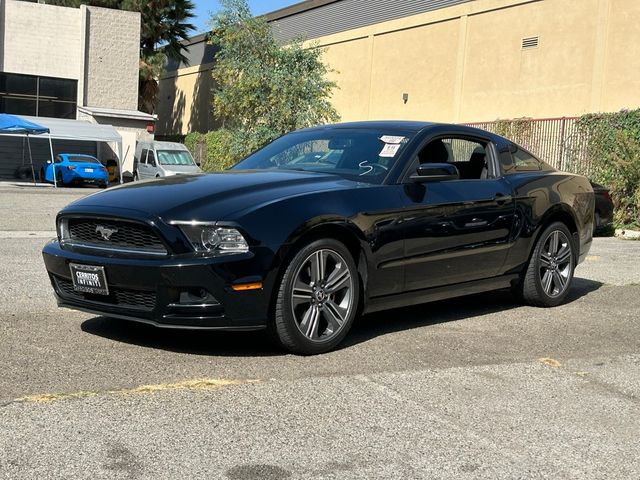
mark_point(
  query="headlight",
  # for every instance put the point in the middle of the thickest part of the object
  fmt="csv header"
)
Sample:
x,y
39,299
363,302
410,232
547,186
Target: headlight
x,y
62,229
218,240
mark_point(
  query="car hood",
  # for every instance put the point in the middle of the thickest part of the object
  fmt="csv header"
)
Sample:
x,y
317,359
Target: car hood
x,y
215,196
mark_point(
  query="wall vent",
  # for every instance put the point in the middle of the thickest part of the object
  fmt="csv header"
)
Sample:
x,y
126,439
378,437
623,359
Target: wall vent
x,y
530,42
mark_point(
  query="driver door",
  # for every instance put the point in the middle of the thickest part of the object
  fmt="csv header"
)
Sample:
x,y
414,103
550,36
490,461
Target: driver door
x,y
457,230
142,164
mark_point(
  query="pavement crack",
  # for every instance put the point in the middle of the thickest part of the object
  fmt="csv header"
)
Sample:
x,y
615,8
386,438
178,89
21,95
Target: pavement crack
x,y
605,387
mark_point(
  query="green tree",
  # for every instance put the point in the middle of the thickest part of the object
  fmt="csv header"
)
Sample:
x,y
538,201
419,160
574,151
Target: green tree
x,y
263,89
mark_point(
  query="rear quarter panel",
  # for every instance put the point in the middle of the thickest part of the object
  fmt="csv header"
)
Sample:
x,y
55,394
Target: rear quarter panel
x,y
541,197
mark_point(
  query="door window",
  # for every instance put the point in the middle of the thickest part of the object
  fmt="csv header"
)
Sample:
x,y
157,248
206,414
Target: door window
x,y
151,161
469,156
143,156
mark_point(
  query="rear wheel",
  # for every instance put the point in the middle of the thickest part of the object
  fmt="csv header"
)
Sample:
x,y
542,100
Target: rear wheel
x,y
135,176
317,299
550,271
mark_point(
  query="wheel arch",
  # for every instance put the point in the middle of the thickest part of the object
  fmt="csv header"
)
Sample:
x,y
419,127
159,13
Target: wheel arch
x,y
337,229
559,213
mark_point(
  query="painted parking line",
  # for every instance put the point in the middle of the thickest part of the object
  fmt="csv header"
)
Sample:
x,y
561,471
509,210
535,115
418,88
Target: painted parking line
x,y
11,234
192,385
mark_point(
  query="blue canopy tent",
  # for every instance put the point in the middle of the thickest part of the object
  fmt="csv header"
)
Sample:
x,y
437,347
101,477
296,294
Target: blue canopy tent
x,y
14,125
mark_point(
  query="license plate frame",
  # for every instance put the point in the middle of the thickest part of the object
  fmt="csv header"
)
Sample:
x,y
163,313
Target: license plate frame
x,y
89,279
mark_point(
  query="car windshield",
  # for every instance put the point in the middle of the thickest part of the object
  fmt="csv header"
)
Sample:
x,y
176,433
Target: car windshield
x,y
175,157
357,154
78,159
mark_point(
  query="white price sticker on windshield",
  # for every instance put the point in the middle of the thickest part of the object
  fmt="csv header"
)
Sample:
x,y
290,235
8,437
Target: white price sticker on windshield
x,y
391,139
390,150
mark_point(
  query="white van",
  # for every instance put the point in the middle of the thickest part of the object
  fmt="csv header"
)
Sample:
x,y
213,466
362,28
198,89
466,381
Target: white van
x,y
162,159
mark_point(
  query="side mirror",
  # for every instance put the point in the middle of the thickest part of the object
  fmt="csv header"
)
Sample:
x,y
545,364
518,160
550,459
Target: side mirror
x,y
435,172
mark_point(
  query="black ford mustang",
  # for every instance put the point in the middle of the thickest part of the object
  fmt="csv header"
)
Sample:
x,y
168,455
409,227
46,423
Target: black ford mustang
x,y
324,224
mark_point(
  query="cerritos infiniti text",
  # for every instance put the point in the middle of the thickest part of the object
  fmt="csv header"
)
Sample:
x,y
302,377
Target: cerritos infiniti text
x,y
88,279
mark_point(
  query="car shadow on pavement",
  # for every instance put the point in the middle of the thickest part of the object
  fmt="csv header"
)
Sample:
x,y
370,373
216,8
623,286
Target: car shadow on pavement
x,y
450,310
194,342
198,342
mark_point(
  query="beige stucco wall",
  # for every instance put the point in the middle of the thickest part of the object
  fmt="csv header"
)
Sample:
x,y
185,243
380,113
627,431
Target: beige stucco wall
x,y
112,42
466,64
41,40
185,101
621,64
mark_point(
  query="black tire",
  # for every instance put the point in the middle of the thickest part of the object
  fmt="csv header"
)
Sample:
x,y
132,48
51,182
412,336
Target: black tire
x,y
59,182
284,326
547,279
135,176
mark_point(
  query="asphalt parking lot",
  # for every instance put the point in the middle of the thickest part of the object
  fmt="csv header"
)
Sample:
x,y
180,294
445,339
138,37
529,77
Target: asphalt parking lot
x,y
477,387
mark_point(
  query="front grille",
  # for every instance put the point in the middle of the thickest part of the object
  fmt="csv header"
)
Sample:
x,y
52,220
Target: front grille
x,y
136,299
114,234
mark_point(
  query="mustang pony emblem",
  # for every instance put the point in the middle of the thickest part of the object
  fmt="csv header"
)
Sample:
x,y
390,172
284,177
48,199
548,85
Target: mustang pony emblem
x,y
106,232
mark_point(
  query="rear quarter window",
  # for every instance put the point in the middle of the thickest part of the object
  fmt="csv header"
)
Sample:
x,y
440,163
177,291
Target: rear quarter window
x,y
520,161
525,162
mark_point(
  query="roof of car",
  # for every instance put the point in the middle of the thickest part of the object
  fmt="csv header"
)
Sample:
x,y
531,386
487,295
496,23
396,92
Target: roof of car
x,y
380,125
159,145
76,155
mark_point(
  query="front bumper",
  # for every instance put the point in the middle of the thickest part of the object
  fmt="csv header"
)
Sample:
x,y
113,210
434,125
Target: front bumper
x,y
152,290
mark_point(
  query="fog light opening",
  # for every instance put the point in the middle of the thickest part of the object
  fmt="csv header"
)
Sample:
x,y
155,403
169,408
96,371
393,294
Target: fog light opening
x,y
196,296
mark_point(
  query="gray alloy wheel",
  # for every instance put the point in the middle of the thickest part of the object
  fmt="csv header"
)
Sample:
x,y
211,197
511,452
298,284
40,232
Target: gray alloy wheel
x,y
323,295
317,299
550,270
556,262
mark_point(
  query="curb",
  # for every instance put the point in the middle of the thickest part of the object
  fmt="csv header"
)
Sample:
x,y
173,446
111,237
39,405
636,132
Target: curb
x,y
627,234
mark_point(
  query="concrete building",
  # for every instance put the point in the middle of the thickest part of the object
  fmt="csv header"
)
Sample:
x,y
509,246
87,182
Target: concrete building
x,y
71,63
448,60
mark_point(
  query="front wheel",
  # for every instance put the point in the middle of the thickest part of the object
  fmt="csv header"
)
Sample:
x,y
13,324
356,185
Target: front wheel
x,y
550,271
317,299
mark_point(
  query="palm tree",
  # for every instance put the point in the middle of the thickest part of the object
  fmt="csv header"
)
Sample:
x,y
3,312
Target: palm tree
x,y
165,25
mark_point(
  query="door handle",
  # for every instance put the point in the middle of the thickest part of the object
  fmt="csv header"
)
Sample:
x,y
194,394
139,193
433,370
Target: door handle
x,y
501,198
476,222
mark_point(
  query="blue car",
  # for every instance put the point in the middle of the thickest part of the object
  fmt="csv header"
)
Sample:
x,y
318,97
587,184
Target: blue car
x,y
74,168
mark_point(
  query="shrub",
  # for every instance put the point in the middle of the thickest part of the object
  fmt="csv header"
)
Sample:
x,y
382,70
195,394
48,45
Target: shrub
x,y
613,149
